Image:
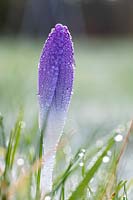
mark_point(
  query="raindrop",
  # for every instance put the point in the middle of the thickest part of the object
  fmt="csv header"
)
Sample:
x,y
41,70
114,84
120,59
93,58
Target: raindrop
x,y
47,198
81,155
83,150
81,164
118,138
106,159
71,93
20,161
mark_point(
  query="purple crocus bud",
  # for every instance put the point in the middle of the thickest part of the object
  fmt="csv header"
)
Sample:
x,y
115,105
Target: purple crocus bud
x,y
54,89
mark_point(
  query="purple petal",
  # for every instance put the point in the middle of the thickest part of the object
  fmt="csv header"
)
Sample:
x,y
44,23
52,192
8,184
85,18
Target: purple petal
x,y
56,72
54,90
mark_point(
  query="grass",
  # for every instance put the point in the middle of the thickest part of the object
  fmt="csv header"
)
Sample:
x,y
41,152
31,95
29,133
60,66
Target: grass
x,y
102,100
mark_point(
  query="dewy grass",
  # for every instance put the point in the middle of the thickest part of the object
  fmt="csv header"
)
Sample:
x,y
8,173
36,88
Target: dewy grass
x,y
2,133
12,145
107,186
10,153
91,173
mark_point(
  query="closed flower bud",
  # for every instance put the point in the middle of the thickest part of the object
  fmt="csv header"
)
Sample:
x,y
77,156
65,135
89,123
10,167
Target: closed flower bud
x,y
55,84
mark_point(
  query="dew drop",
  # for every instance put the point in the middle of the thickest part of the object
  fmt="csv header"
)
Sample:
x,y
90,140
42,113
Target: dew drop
x,y
81,155
83,150
106,159
20,161
118,138
81,164
47,198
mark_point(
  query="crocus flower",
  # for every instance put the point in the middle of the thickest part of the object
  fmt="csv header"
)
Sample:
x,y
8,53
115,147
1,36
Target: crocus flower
x,y
54,90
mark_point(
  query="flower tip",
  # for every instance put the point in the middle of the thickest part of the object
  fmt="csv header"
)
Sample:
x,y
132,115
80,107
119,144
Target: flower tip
x,y
59,26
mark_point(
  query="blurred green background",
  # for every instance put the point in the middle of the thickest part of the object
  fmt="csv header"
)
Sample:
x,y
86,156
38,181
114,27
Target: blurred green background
x,y
102,32
102,86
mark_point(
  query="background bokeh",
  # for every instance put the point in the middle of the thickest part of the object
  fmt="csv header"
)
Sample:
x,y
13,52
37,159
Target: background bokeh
x,y
102,32
82,16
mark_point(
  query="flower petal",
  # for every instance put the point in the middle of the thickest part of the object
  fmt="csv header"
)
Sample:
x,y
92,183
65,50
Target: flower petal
x,y
55,88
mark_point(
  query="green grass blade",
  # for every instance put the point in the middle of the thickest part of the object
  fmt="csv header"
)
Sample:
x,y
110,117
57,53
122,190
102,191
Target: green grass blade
x,y
2,132
8,154
77,194
13,144
16,139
